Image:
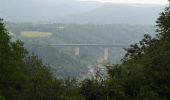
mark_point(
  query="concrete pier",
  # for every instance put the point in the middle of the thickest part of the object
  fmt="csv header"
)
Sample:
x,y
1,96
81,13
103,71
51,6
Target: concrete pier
x,y
77,51
106,54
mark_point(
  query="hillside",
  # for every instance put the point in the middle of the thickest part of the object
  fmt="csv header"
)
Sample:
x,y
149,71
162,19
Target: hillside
x,y
84,50
117,14
36,10
71,11
63,60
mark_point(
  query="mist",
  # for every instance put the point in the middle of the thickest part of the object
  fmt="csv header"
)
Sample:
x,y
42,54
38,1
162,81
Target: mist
x,y
80,12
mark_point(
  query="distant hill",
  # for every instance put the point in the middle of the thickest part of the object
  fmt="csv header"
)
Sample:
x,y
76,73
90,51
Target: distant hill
x,y
41,10
63,61
74,11
117,14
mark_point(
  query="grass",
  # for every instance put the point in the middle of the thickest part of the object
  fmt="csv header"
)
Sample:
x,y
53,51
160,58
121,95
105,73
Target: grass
x,y
35,34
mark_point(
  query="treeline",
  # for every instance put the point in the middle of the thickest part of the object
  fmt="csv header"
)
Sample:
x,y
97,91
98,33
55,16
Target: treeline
x,y
24,77
83,33
143,75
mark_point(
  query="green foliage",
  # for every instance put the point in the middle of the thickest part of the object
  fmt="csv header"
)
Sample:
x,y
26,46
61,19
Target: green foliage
x,y
163,23
11,55
92,90
62,59
143,75
2,98
145,71
25,77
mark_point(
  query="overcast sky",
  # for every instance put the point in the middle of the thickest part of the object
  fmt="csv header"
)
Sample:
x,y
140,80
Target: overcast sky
x,y
133,1
105,1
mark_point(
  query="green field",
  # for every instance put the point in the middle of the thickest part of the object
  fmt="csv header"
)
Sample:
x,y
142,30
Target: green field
x,y
35,34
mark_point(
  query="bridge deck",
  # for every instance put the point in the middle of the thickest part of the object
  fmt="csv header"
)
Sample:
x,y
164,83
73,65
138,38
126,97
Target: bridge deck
x,y
85,45
90,45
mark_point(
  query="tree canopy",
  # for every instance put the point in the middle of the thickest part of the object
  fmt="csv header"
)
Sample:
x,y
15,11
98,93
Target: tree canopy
x,y
143,74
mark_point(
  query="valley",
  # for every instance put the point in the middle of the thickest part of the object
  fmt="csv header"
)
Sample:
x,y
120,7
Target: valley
x,y
63,61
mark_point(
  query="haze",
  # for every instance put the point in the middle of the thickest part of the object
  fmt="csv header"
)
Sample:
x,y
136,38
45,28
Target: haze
x,y
133,1
82,11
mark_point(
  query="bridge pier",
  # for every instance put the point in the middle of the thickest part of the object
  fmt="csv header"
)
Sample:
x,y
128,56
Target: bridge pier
x,y
77,47
106,54
77,51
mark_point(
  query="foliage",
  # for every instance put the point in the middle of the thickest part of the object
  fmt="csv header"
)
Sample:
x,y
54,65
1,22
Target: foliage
x,y
62,59
143,74
25,77
11,55
2,98
145,71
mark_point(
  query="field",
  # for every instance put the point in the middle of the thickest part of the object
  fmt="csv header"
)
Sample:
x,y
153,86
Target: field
x,y
36,34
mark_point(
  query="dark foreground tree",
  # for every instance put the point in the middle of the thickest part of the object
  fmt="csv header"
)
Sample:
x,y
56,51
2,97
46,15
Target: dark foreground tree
x,y
145,71
25,77
11,75
143,75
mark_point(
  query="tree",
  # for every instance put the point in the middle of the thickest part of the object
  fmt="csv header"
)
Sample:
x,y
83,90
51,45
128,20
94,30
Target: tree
x,y
25,77
145,70
163,24
11,55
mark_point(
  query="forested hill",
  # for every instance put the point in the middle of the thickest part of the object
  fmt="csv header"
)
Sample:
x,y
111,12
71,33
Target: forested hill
x,y
116,14
143,73
84,33
62,60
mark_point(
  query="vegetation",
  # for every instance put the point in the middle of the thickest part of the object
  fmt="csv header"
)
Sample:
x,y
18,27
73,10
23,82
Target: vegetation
x,y
62,59
143,74
24,77
36,34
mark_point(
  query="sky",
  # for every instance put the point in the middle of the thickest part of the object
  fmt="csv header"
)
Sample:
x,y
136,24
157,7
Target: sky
x,y
133,1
